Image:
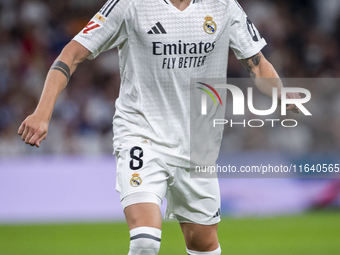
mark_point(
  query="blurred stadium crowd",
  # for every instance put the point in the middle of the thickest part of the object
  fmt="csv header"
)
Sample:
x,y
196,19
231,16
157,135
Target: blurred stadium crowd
x,y
303,39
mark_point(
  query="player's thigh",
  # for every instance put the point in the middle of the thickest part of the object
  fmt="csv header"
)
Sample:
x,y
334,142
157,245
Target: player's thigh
x,y
143,215
200,237
140,169
193,200
142,183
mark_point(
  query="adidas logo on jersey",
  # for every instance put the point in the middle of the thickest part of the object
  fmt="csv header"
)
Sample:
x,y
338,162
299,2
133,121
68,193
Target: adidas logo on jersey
x,y
158,29
218,213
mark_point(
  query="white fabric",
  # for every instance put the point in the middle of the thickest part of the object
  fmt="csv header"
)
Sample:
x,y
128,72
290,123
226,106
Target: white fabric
x,y
156,68
190,200
146,230
146,245
141,197
215,252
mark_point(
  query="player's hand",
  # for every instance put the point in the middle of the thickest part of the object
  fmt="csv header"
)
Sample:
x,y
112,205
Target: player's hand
x,y
293,107
33,130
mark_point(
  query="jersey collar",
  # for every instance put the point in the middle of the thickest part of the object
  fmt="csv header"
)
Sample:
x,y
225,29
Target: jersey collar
x,y
176,10
168,1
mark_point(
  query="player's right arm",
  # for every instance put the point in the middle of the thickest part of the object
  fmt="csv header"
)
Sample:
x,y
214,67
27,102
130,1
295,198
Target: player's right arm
x,y
34,128
109,28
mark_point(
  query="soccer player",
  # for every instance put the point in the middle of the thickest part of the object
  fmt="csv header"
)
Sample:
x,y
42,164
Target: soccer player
x,y
162,44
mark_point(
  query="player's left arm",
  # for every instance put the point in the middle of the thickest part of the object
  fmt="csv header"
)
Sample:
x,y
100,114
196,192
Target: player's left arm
x,y
259,67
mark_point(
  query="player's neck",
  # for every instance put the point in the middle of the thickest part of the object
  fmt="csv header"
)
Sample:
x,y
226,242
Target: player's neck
x,y
181,4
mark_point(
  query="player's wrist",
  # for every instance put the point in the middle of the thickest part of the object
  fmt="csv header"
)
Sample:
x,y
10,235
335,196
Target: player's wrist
x,y
43,114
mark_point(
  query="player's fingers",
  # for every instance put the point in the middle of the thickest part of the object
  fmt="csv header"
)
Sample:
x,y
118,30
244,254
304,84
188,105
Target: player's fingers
x,y
293,108
38,136
34,139
296,110
29,136
293,95
25,133
290,107
21,128
297,95
37,143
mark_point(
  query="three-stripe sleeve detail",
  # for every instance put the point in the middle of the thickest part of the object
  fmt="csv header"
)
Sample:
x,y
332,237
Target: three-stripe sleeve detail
x,y
108,7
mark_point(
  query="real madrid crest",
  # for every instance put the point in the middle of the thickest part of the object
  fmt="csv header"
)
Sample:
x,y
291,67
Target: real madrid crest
x,y
135,180
209,25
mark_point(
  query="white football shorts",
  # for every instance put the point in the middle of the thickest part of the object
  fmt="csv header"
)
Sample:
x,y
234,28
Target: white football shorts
x,y
144,175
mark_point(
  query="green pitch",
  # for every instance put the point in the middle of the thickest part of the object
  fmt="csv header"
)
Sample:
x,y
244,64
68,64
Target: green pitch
x,y
314,233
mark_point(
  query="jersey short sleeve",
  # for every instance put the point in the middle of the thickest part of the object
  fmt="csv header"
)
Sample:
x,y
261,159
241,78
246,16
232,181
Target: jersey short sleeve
x,y
107,29
245,40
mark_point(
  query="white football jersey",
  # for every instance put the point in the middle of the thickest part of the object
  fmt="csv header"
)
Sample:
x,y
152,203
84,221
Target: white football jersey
x,y
160,49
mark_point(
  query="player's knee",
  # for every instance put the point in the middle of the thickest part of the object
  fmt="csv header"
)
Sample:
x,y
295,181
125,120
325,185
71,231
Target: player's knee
x,y
199,241
214,252
145,241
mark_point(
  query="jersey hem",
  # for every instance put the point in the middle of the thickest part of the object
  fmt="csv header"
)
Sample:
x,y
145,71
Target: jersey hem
x,y
254,51
137,191
88,47
205,223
